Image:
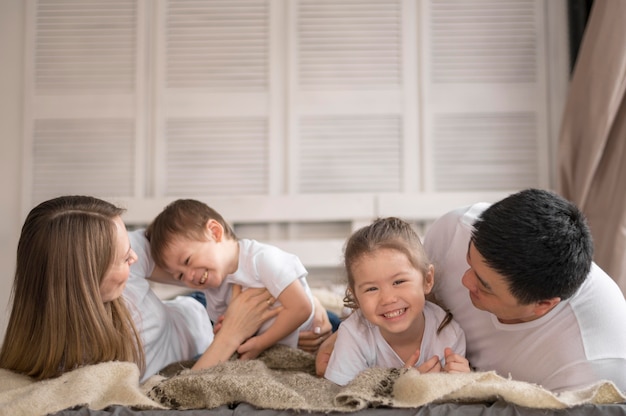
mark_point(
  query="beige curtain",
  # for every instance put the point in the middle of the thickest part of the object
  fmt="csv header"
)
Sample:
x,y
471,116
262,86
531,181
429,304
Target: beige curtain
x,y
592,143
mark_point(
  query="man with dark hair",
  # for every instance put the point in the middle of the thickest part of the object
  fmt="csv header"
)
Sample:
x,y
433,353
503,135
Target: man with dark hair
x,y
519,278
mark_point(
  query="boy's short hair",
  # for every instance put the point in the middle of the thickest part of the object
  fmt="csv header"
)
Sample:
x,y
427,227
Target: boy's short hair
x,y
185,218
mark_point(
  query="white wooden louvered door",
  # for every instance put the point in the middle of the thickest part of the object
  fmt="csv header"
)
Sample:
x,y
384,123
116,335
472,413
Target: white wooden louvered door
x,y
352,98
219,95
83,98
170,98
484,96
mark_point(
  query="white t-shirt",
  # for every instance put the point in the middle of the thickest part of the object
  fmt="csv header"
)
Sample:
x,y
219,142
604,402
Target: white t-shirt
x,y
171,330
579,342
360,345
262,265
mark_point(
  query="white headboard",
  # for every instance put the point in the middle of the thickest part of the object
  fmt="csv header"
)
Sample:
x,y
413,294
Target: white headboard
x,y
314,227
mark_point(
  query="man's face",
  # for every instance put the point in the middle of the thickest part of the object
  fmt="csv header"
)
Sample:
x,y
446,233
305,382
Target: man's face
x,y
489,291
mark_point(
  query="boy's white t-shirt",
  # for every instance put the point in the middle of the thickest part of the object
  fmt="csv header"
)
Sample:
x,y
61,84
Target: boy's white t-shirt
x,y
581,341
262,265
360,345
171,330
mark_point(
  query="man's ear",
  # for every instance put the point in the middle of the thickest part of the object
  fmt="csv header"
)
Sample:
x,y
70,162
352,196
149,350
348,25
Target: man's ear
x,y
215,230
544,306
429,279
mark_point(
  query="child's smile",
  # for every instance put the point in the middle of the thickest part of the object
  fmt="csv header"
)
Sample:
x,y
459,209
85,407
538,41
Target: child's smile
x,y
203,278
394,314
390,292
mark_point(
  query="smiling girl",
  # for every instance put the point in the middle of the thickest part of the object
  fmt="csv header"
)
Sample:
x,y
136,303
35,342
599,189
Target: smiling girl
x,y
393,324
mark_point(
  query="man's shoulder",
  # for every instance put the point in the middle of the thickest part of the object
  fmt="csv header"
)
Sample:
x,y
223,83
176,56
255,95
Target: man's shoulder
x,y
444,227
598,292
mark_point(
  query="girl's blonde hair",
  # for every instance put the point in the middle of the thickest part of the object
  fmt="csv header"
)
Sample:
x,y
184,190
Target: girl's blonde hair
x,y
385,233
185,218
58,321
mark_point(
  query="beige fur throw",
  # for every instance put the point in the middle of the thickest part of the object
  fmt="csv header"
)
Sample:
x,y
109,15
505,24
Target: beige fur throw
x,y
94,386
282,378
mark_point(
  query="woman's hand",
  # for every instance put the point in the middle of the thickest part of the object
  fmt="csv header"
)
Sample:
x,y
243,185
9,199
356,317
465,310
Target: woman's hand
x,y
310,341
248,310
244,316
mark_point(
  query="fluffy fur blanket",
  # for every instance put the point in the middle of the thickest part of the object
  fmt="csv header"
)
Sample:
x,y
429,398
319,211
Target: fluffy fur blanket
x,y
281,378
94,386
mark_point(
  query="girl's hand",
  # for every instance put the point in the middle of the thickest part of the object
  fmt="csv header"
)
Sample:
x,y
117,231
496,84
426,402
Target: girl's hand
x,y
432,365
455,363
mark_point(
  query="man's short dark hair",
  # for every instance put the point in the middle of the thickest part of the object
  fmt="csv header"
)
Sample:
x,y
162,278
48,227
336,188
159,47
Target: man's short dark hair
x,y
538,241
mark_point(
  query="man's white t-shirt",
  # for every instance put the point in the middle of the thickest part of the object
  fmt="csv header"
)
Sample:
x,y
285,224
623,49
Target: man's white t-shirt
x,y
262,265
581,341
171,330
360,345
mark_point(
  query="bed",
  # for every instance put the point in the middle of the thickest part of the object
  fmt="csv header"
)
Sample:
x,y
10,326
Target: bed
x,y
282,380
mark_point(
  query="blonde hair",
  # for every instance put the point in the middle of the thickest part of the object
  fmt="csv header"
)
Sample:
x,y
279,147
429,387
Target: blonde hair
x,y
58,321
385,233
182,218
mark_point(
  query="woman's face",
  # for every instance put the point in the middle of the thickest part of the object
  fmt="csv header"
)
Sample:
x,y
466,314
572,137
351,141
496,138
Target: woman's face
x,y
114,281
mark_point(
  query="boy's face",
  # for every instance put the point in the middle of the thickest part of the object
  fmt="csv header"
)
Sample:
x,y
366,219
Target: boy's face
x,y
198,264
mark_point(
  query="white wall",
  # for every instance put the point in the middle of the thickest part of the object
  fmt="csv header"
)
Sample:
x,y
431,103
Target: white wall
x,y
12,18
11,69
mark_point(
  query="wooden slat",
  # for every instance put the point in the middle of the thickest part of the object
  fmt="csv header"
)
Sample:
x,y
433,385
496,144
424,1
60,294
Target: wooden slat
x,y
263,209
430,206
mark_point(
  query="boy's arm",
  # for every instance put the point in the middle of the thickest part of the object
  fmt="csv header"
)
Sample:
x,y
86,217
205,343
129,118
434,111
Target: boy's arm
x,y
296,310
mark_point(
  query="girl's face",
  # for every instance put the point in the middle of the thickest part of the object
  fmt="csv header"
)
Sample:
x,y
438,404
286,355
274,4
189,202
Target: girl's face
x,y
390,292
113,283
199,264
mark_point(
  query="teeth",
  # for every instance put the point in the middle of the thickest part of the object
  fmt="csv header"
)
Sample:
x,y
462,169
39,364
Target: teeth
x,y
394,313
203,278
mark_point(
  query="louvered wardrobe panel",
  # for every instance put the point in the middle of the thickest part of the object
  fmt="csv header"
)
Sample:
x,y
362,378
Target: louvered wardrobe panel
x,y
485,96
349,95
349,45
83,157
81,129
350,154
84,46
217,156
213,104
497,151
